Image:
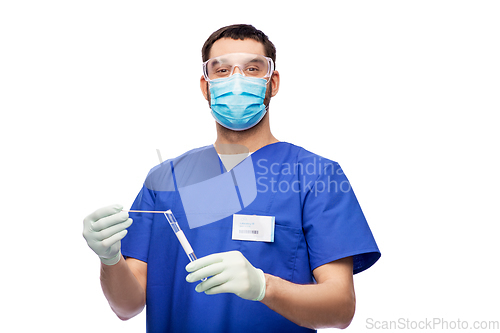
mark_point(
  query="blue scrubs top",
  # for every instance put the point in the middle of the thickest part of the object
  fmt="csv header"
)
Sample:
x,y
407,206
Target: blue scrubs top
x,y
317,220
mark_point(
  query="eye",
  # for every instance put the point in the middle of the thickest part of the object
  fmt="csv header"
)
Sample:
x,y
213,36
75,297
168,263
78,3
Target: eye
x,y
222,71
252,70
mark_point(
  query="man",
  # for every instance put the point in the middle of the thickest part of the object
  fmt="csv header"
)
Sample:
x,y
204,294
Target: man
x,y
297,279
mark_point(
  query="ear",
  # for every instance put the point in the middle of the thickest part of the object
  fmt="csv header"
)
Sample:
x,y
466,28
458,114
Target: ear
x,y
203,87
275,83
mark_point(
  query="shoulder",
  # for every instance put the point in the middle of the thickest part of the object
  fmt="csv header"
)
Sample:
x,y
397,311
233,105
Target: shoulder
x,y
160,177
193,153
306,157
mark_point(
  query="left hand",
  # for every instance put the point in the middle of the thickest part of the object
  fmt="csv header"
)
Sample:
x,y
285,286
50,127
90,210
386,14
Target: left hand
x,y
230,273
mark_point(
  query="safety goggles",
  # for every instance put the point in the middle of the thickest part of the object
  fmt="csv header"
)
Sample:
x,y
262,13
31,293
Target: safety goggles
x,y
252,65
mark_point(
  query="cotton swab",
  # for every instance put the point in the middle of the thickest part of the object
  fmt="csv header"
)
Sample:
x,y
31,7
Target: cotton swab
x,y
177,230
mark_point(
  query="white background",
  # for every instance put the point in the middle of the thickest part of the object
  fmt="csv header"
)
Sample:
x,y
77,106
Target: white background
x,y
403,94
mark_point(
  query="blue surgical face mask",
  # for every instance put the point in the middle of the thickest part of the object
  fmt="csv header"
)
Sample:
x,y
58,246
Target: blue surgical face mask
x,y
237,102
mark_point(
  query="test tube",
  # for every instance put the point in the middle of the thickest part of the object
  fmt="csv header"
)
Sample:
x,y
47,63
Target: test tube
x,y
181,237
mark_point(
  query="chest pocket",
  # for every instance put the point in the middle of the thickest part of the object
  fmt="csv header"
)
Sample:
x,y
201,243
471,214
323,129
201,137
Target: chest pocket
x,y
277,258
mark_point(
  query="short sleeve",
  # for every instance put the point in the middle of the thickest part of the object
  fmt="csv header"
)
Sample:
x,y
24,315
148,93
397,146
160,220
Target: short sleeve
x,y
136,243
333,222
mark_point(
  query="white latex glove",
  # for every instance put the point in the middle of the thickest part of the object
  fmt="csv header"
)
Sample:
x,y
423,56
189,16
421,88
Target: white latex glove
x,y
230,273
103,231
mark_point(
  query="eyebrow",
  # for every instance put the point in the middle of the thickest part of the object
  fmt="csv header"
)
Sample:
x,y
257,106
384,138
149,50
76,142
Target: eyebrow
x,y
214,63
259,60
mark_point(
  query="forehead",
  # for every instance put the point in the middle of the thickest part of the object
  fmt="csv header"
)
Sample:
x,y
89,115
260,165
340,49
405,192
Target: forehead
x,y
229,45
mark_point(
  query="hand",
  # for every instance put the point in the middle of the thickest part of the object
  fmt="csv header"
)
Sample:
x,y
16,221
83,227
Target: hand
x,y
230,273
103,231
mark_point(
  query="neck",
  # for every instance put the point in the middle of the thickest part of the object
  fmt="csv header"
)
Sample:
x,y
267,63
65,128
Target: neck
x,y
253,138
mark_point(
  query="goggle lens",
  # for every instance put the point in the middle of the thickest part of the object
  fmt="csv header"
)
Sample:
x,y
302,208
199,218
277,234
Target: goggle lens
x,y
252,65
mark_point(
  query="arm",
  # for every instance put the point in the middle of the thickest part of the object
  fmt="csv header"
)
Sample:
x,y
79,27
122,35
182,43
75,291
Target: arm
x,y
123,282
329,303
124,286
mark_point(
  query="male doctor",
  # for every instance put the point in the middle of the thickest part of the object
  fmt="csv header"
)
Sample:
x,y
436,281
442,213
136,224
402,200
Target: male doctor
x,y
298,280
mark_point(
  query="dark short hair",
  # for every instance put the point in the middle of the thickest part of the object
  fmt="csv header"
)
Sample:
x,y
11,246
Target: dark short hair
x,y
239,31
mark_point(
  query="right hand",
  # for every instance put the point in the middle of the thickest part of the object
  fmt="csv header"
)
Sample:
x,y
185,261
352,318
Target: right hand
x,y
104,229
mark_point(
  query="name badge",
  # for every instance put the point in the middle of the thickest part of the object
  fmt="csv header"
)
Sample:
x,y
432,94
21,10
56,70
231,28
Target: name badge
x,y
253,228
